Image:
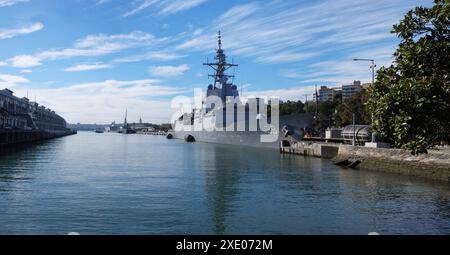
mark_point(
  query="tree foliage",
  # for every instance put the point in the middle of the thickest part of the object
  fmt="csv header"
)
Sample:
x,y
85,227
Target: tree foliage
x,y
410,100
326,115
291,107
356,104
310,106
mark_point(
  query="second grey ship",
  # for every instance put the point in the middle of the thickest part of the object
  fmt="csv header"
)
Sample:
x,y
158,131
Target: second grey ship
x,y
184,126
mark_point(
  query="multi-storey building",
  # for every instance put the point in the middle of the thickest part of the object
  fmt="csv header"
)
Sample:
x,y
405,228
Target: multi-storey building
x,y
20,113
350,90
326,94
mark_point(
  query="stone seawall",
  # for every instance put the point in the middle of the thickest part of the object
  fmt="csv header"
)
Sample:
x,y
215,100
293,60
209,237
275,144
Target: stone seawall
x,y
10,138
314,149
434,165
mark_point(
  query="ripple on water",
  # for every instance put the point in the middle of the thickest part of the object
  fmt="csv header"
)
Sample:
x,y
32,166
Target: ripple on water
x,y
110,184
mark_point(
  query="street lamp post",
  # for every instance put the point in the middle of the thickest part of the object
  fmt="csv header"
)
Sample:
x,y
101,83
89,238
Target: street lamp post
x,y
372,66
373,80
354,129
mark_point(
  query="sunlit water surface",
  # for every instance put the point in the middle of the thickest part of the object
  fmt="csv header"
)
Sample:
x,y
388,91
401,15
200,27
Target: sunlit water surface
x,y
135,184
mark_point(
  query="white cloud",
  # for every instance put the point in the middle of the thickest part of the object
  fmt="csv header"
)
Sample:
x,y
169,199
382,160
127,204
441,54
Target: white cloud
x,y
89,46
289,73
164,7
296,31
293,93
106,101
99,2
4,3
26,71
142,6
102,44
10,33
95,41
88,67
24,61
238,13
3,63
168,71
344,70
7,80
285,57
161,56
175,6
315,41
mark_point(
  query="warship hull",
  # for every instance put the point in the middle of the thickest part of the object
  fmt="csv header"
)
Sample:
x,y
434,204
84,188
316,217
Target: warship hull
x,y
248,138
242,138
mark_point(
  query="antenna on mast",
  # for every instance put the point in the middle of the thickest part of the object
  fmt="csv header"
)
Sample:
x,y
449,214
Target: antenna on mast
x,y
317,102
125,120
234,71
220,41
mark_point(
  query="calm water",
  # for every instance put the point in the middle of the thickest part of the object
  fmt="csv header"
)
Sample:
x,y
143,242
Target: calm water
x,y
115,184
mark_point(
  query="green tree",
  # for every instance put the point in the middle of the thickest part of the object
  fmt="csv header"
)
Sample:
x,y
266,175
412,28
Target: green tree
x,y
327,114
410,100
291,107
356,104
310,106
165,127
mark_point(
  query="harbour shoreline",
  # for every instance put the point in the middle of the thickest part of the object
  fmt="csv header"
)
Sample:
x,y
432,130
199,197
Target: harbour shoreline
x,y
435,165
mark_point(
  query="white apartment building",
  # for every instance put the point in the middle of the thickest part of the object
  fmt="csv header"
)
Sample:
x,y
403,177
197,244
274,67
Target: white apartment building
x,y
350,90
328,94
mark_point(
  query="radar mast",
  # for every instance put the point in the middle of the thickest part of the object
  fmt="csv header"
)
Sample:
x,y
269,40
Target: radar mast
x,y
220,66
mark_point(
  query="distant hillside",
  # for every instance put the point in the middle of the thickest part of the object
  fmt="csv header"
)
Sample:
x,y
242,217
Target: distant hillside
x,y
92,127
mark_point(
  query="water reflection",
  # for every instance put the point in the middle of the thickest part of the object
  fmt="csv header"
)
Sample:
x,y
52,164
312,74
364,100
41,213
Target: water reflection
x,y
223,168
18,162
391,200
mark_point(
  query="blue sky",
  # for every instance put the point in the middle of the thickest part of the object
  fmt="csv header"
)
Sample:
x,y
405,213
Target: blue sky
x,y
90,59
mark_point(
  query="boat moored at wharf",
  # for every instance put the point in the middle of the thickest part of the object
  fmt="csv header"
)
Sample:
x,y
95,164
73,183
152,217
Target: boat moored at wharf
x,y
223,91
23,121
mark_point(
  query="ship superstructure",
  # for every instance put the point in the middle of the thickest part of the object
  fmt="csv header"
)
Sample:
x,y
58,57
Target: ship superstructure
x,y
221,87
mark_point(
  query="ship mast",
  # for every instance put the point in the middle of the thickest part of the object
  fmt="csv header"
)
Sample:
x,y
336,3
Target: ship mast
x,y
220,66
125,123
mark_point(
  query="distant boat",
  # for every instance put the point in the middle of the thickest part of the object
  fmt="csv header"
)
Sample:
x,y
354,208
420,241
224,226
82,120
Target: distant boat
x,y
126,129
114,127
99,130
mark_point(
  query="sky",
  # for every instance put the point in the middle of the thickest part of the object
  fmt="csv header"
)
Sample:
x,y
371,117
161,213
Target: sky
x,y
90,60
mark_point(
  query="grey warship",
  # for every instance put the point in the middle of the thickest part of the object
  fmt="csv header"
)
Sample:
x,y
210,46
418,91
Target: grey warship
x,y
184,127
